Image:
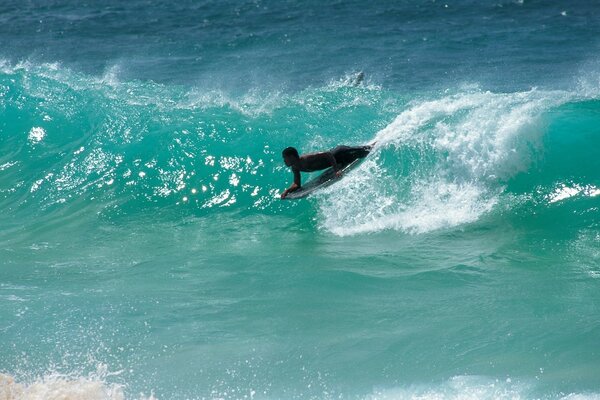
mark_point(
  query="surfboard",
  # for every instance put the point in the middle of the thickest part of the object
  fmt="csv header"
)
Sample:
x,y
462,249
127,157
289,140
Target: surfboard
x,y
325,179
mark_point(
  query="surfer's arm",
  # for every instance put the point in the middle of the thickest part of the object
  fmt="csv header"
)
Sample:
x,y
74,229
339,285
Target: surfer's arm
x,y
288,190
295,186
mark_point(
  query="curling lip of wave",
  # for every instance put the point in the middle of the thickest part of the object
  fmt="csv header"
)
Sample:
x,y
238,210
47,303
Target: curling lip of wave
x,y
467,145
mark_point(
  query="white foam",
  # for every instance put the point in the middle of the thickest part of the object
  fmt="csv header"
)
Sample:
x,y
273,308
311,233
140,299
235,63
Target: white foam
x,y
433,205
564,191
582,396
459,150
36,135
60,387
480,132
111,75
8,165
252,104
467,387
456,388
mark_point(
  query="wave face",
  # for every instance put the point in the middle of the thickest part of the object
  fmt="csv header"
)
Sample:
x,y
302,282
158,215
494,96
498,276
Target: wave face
x,y
103,146
127,146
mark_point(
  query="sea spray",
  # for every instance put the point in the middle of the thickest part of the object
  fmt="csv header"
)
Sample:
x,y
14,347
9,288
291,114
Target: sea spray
x,y
442,163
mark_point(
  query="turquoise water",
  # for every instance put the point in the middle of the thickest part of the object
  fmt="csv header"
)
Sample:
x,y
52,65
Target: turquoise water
x,y
144,251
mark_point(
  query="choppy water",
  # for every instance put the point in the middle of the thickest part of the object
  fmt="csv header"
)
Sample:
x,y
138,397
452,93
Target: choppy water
x,y
144,251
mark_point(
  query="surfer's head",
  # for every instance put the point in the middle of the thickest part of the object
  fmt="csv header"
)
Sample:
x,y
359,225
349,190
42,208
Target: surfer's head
x,y
290,156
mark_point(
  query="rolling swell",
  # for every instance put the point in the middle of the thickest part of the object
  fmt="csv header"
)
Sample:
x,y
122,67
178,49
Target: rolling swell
x,y
86,145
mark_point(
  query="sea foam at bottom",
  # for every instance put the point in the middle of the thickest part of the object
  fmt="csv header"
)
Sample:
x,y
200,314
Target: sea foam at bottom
x,y
59,387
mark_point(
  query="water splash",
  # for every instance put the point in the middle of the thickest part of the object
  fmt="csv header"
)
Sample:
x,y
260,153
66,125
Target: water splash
x,y
440,163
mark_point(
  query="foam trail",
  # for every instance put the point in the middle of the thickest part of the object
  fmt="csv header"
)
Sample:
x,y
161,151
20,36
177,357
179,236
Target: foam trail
x,y
440,163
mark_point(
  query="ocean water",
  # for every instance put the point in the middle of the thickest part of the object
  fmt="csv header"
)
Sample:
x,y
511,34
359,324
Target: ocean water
x,y
145,253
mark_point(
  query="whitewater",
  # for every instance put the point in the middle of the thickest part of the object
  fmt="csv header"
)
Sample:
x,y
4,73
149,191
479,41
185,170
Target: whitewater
x,y
145,252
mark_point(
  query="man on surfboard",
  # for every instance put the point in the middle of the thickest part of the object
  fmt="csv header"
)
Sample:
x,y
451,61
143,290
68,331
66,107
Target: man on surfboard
x,y
336,158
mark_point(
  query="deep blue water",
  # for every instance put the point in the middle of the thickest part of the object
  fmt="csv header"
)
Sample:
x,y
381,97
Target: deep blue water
x,y
404,45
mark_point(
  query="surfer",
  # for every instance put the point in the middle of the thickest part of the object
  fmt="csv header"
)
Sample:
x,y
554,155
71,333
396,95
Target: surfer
x,y
337,158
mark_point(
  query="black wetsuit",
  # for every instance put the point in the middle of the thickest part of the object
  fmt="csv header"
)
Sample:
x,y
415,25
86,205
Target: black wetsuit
x,y
338,158
345,155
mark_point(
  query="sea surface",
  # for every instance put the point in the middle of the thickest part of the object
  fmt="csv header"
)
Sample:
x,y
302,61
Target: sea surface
x,y
144,250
